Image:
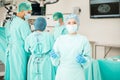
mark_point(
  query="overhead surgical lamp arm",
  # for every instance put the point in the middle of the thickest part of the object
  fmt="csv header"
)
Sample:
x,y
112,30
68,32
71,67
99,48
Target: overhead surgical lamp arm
x,y
44,2
51,2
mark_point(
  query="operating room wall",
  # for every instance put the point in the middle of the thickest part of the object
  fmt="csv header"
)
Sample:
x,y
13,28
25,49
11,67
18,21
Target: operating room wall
x,y
105,30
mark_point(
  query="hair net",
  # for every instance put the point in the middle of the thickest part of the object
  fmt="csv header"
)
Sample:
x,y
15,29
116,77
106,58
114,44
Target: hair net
x,y
75,17
40,24
57,16
24,6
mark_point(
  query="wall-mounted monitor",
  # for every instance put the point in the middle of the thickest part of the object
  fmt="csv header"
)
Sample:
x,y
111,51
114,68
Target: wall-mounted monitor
x,y
37,10
104,8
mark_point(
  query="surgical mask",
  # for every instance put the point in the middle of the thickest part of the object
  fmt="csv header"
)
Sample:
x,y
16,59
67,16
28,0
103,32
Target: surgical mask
x,y
27,16
56,23
72,28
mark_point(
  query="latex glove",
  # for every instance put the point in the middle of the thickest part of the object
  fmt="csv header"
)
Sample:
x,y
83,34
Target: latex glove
x,y
80,59
53,54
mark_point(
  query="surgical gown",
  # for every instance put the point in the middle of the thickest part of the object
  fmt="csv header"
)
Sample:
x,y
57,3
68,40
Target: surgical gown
x,y
3,44
16,59
40,66
69,47
59,30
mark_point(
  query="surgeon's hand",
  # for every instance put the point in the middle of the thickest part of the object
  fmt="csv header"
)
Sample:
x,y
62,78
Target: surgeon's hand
x,y
53,54
80,59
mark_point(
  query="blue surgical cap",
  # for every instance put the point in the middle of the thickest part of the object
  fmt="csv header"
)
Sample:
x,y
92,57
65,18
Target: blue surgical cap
x,y
75,17
24,6
40,24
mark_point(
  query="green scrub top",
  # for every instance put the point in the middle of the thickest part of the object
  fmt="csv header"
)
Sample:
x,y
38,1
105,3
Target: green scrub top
x,y
16,60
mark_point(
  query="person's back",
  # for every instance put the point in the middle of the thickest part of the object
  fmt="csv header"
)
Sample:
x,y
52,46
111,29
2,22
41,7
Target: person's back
x,y
39,38
39,44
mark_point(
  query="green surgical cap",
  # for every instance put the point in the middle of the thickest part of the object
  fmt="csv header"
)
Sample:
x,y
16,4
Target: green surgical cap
x,y
57,16
24,6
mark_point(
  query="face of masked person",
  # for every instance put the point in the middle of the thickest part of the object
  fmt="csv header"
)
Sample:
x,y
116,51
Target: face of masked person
x,y
56,23
71,26
27,15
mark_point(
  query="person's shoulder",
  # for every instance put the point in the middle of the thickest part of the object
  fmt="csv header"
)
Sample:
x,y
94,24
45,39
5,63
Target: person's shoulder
x,y
55,29
30,36
21,21
62,37
46,33
18,19
82,37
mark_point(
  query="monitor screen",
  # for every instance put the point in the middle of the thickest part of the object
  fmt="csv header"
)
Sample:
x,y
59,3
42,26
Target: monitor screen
x,y
37,10
105,8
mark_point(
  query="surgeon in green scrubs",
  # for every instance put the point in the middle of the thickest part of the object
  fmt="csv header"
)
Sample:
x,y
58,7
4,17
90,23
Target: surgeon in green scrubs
x,y
60,28
17,31
39,44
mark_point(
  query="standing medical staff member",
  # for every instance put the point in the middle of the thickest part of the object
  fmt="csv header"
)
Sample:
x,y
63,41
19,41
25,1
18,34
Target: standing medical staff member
x,y
39,44
17,31
71,52
3,44
60,28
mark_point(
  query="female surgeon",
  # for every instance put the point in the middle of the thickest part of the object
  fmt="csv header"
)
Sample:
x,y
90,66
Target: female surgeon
x,y
71,52
16,32
39,44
